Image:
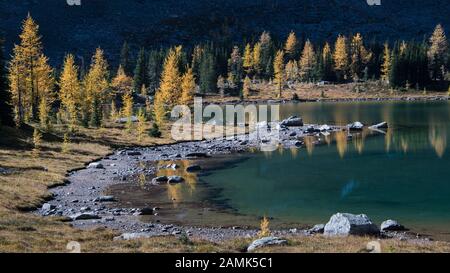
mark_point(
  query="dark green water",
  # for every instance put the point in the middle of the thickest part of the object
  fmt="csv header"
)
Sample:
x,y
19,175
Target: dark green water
x,y
403,175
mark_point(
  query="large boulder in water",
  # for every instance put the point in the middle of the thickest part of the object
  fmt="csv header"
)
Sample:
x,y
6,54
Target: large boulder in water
x,y
355,126
293,121
382,125
391,225
344,224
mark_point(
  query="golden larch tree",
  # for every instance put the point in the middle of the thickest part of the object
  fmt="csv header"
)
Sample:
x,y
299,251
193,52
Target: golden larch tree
x,y
386,66
246,87
360,56
307,62
292,71
127,110
291,46
30,76
438,53
96,84
340,57
256,59
70,90
121,82
187,87
247,60
278,68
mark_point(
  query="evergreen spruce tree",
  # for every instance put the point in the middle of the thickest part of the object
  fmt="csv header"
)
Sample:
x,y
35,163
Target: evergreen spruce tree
x,y
235,69
125,61
140,72
155,64
327,63
267,52
6,111
207,71
97,113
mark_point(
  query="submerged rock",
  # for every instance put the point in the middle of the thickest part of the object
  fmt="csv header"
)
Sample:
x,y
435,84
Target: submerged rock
x,y
266,241
105,198
146,211
134,153
197,155
159,180
193,168
175,179
292,121
344,224
391,225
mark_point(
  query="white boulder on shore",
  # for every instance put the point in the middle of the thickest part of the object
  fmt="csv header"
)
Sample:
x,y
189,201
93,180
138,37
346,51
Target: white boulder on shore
x,y
95,165
266,241
344,224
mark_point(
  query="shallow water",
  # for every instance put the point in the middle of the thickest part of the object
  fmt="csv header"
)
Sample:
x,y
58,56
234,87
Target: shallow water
x,y
404,174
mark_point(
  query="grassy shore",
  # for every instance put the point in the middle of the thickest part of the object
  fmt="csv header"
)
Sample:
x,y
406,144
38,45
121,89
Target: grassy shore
x,y
24,186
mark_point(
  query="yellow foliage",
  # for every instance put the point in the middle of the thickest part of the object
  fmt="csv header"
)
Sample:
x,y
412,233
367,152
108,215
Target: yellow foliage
x,y
340,56
122,82
291,45
278,68
246,87
70,89
187,87
307,61
264,227
248,59
128,110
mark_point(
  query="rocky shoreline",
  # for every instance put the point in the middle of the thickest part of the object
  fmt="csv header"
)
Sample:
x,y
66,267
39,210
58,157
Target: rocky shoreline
x,y
82,199
362,99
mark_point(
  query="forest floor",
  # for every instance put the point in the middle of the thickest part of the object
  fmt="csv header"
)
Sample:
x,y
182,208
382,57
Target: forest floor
x,y
25,179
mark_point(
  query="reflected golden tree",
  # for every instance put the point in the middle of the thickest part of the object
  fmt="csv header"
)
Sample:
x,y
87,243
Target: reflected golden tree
x,y
294,152
438,138
309,143
341,142
358,140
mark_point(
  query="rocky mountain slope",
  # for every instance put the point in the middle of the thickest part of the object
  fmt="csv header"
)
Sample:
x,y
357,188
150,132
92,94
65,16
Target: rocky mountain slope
x,y
108,23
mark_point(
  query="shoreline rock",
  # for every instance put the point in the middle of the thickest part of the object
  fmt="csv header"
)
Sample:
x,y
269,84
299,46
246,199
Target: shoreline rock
x,y
344,224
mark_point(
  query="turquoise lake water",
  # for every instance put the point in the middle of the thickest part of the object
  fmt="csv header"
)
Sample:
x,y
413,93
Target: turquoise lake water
x,y
403,174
